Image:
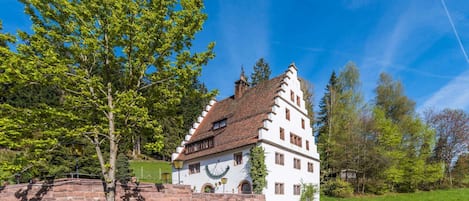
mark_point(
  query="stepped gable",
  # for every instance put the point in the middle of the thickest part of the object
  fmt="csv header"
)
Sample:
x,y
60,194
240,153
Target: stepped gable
x,y
244,115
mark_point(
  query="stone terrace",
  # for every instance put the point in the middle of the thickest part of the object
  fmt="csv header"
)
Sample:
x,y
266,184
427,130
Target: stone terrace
x,y
92,190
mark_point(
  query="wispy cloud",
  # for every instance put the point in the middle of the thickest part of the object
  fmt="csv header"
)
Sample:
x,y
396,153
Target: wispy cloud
x,y
463,50
454,95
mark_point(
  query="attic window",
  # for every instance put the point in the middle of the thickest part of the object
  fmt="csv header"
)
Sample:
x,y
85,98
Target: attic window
x,y
219,124
199,145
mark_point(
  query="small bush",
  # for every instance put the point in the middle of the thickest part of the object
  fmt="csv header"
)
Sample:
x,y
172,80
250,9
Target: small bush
x,y
376,187
337,188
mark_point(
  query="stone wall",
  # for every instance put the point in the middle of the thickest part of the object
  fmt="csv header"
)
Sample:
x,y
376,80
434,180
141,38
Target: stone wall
x,y
92,190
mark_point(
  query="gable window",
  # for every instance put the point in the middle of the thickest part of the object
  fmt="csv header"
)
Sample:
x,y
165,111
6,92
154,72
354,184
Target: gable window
x,y
279,158
199,145
310,167
296,189
302,123
219,124
238,158
279,188
292,96
298,102
282,133
287,114
295,139
194,168
307,145
296,163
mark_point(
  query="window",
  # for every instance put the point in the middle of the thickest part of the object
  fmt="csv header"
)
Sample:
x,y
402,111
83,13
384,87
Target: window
x,y
295,139
282,133
296,189
279,188
238,158
287,114
298,101
307,145
279,158
296,163
302,123
199,145
194,168
219,124
292,96
310,167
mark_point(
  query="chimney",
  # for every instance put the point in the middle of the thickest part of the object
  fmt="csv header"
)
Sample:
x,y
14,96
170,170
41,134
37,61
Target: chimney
x,y
241,85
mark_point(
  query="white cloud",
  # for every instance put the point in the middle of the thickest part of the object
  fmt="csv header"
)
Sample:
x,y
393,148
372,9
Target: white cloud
x,y
454,95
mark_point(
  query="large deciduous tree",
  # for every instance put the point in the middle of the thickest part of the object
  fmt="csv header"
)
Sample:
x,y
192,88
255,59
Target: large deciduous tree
x,y
112,64
452,136
402,139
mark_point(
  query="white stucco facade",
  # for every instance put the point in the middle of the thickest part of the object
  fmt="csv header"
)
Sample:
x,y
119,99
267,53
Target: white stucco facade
x,y
296,145
217,164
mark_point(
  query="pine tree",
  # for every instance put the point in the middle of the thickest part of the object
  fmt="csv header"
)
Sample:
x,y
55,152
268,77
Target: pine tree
x,y
325,122
261,72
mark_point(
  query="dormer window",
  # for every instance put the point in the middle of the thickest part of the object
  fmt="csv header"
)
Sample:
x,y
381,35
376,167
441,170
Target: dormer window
x,y
219,124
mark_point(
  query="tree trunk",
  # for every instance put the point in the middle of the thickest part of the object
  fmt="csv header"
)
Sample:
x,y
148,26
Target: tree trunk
x,y
136,148
113,148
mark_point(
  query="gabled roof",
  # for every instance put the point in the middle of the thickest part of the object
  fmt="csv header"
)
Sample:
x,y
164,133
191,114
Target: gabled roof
x,y
244,115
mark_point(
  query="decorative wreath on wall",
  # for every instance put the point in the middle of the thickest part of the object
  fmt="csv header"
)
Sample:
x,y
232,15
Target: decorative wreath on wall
x,y
215,175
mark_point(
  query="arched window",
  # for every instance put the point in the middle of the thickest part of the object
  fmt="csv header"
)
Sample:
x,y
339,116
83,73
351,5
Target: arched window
x,y
245,187
208,188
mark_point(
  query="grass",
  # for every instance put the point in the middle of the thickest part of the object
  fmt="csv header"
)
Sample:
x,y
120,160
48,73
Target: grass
x,y
150,171
447,195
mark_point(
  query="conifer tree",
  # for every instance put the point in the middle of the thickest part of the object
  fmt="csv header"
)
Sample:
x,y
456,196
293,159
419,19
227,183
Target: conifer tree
x,y
261,72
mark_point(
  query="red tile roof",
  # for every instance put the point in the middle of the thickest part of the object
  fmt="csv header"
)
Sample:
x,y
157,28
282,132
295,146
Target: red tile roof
x,y
244,116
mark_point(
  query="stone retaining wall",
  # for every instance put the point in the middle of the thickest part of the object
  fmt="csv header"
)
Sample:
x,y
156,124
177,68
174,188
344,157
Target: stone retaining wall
x,y
92,190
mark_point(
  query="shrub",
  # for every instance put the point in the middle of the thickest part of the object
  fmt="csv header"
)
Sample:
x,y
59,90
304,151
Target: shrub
x,y
377,187
308,192
337,188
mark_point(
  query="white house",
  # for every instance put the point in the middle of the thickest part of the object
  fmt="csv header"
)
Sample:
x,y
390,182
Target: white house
x,y
271,115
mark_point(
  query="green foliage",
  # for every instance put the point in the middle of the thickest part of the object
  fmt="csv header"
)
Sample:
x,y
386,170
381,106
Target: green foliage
x,y
460,171
447,195
258,169
337,188
390,97
124,173
98,70
386,142
451,127
377,187
339,130
261,72
308,192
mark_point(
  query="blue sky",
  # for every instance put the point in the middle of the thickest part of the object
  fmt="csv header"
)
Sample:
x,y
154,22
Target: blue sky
x,y
411,40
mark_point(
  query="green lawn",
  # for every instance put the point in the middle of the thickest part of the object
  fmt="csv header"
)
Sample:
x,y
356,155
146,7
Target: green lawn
x,y
446,195
150,171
